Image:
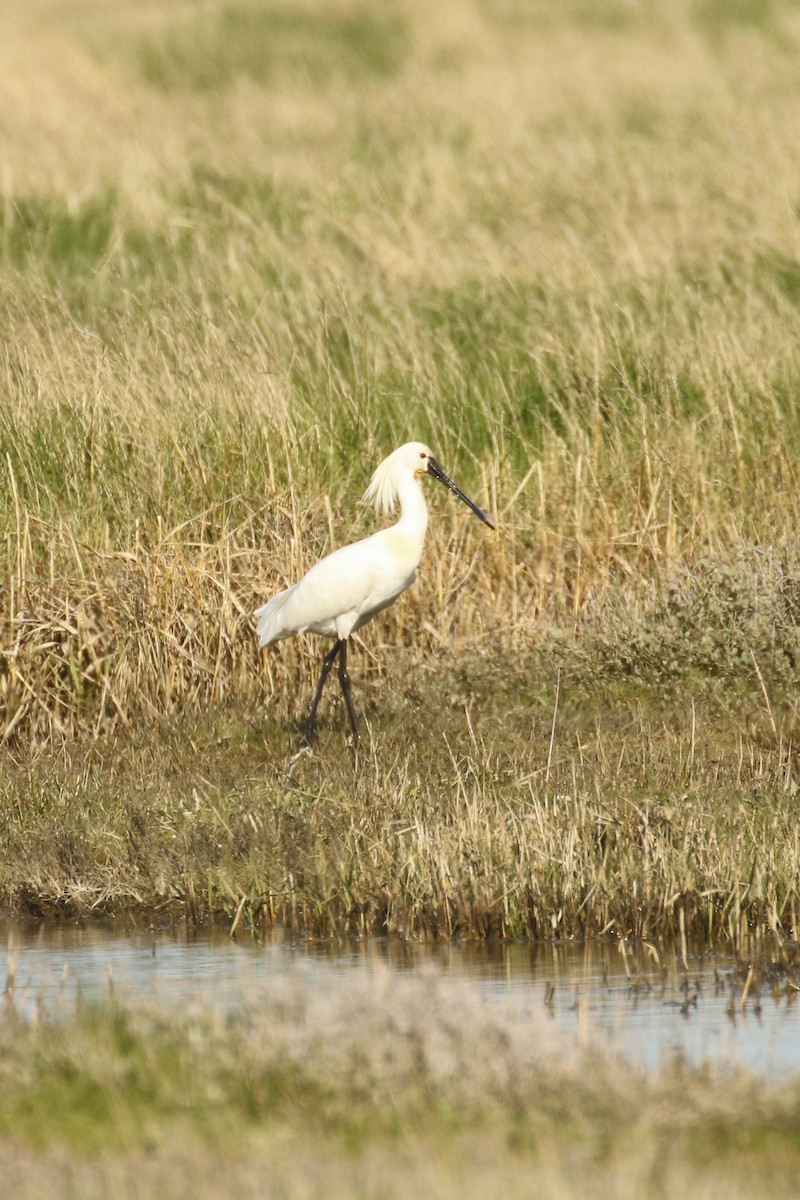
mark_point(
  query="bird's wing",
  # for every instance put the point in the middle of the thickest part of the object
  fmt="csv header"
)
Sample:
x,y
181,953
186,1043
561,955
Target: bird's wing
x,y
340,583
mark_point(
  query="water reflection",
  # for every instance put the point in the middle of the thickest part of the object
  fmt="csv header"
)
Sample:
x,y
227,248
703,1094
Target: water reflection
x,y
649,1003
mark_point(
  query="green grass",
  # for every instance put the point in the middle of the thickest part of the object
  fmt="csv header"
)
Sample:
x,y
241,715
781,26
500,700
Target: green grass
x,y
70,241
719,19
260,43
618,16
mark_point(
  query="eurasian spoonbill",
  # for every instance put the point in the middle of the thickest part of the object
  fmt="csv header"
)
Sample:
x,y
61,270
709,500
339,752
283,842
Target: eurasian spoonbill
x,y
344,590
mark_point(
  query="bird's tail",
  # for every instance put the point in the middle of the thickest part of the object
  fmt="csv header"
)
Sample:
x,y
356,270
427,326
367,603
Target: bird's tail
x,y
270,628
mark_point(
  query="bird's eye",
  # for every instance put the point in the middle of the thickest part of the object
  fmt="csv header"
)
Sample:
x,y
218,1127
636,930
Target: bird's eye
x,y
423,454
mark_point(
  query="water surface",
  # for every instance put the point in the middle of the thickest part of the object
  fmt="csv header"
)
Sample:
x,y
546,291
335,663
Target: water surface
x,y
648,1003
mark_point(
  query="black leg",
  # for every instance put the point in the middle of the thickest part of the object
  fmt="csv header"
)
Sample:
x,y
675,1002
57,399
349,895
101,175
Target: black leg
x,y
344,680
307,729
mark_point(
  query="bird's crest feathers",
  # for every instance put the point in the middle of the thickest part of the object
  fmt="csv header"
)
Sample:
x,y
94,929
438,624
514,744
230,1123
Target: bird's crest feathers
x,y
382,490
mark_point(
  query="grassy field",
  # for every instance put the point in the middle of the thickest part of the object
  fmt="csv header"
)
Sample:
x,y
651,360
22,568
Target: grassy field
x,y
246,249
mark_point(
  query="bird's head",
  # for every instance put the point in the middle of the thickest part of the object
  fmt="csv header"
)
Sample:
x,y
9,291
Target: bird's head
x,y
413,460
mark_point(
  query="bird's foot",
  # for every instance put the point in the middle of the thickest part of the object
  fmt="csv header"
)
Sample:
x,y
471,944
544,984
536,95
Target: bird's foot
x,y
307,736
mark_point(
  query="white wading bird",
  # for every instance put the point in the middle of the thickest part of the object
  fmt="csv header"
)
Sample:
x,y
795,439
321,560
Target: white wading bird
x,y
347,588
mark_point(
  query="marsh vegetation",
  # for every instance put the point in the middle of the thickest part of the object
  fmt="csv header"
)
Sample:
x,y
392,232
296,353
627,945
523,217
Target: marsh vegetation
x,y
247,248
229,283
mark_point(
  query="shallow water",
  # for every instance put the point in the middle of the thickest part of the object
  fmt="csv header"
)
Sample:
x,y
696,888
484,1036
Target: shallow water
x,y
647,1003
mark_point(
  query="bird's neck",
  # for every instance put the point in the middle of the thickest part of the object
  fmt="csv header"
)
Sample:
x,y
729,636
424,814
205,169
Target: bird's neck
x,y
413,510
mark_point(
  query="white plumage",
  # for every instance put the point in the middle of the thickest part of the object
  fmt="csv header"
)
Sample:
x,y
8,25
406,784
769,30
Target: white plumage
x,y
347,588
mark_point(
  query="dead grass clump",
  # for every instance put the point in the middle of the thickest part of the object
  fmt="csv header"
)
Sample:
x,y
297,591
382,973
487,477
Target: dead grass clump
x,y
123,647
